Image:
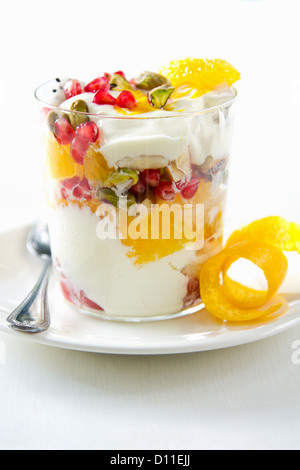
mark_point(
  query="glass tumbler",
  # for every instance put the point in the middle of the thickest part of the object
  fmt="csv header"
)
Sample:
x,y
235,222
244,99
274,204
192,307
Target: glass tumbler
x,y
135,206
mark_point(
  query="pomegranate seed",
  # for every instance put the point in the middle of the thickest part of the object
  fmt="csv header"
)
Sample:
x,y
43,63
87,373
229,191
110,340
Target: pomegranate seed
x,y
76,188
70,183
63,131
126,100
190,189
139,187
86,302
88,131
151,177
132,83
66,292
44,113
72,88
103,97
79,148
98,84
82,190
119,72
107,75
181,184
166,190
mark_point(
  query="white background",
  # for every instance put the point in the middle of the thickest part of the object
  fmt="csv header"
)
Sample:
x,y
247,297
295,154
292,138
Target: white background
x,y
245,397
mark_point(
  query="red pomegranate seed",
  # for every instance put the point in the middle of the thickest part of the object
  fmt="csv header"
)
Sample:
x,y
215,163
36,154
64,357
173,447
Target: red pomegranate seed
x,y
86,302
70,183
107,75
83,190
190,189
151,177
88,131
72,88
139,187
181,184
166,190
119,72
44,113
66,292
126,100
79,148
98,84
63,131
103,97
76,188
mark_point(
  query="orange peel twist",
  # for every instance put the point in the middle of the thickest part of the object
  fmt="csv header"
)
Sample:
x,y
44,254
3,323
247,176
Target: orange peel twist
x,y
262,242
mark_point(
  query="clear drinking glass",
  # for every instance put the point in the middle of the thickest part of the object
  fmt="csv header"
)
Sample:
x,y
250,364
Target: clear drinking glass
x,y
135,211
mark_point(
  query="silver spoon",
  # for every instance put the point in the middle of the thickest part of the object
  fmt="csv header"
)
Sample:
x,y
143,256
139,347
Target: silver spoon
x,y
32,315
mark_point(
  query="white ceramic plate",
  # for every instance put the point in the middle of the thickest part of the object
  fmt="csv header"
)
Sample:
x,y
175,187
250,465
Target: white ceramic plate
x,y
72,330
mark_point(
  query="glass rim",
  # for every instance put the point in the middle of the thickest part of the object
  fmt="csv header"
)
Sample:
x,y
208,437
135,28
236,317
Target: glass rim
x,y
173,114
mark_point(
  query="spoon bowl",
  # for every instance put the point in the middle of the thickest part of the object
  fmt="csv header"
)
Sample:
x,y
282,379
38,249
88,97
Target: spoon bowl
x,y
32,315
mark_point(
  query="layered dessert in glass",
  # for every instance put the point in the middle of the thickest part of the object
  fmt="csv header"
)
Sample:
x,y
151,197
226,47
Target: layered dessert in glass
x,y
136,174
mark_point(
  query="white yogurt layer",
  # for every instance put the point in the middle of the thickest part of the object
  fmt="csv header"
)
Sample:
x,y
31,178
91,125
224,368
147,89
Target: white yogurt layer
x,y
202,134
102,269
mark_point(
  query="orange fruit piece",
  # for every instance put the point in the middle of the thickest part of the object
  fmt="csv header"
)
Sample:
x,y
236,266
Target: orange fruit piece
x,y
60,164
202,74
95,165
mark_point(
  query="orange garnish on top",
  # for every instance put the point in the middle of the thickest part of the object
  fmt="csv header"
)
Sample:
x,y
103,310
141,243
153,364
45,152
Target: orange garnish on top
x,y
202,74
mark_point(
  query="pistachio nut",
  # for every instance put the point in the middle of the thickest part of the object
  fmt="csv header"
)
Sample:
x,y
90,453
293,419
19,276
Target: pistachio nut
x,y
173,173
75,118
212,167
52,116
150,80
123,178
108,195
143,162
119,83
159,96
127,200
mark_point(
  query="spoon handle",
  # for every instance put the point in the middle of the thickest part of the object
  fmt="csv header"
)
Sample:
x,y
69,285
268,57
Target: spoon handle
x,y
32,315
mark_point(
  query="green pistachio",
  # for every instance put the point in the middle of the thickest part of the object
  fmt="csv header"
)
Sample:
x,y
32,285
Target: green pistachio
x,y
108,195
129,199
123,178
52,116
159,96
150,80
119,83
77,119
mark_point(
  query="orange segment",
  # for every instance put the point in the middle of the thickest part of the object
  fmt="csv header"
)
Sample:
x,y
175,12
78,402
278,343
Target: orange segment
x,y
158,241
202,74
95,165
59,161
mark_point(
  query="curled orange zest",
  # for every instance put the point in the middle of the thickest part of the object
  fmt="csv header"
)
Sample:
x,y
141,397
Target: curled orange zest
x,y
273,230
261,242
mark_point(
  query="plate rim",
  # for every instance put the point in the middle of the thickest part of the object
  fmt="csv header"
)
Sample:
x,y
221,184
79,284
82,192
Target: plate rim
x,y
198,343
